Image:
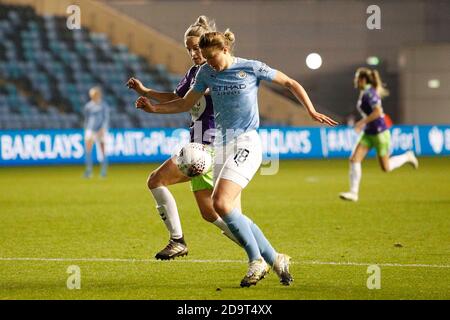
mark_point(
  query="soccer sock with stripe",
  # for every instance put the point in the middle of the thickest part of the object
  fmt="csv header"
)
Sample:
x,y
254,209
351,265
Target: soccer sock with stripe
x,y
167,207
240,228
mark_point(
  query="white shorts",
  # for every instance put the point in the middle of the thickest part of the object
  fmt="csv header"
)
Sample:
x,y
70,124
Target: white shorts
x,y
238,160
99,135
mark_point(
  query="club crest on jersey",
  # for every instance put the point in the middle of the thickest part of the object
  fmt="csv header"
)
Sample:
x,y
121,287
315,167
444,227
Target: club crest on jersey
x,y
242,74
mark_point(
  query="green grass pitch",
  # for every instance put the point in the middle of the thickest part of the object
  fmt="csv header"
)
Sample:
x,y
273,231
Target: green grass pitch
x,y
111,230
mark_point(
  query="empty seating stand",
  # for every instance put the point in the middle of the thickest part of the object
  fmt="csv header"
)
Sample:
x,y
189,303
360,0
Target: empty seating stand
x,y
57,67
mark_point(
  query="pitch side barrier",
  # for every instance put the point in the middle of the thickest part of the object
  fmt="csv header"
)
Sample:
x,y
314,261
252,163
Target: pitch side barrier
x,y
46,147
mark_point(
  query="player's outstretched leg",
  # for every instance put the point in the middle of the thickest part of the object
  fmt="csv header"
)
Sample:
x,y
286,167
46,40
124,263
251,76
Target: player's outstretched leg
x,y
168,211
257,267
398,161
355,173
413,159
168,174
279,262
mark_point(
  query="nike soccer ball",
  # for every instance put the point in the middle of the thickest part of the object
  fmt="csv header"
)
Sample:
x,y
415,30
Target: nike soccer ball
x,y
194,159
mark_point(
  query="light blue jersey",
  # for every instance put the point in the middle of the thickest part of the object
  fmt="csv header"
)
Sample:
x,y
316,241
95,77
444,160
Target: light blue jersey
x,y
234,92
96,116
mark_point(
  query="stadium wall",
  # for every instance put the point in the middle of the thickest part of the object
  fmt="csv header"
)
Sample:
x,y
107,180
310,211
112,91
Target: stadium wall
x,y
425,84
46,147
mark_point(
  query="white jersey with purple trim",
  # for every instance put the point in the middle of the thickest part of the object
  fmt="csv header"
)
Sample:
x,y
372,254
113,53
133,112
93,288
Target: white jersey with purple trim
x,y
234,92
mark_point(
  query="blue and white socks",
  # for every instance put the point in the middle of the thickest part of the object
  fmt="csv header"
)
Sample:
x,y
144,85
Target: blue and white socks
x,y
265,248
239,226
250,236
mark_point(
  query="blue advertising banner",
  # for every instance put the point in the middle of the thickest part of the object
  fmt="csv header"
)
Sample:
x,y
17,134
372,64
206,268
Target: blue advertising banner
x,y
30,147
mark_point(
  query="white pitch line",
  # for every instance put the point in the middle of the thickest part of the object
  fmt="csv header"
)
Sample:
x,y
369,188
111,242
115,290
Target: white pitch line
x,y
409,265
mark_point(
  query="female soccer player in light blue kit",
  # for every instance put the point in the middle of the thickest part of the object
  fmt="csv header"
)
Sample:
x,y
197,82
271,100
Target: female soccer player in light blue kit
x,y
96,122
376,134
233,83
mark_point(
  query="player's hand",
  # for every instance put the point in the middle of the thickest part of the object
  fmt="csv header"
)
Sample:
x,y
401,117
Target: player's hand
x,y
144,103
359,126
319,117
136,85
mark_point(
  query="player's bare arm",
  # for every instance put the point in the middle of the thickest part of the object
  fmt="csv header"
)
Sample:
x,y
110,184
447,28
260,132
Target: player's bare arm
x,y
175,106
142,90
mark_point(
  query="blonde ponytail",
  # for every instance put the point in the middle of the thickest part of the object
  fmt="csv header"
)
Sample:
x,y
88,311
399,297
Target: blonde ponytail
x,y
378,84
229,39
201,26
374,79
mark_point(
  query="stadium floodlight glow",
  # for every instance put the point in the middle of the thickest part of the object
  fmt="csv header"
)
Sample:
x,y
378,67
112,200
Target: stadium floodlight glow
x,y
314,61
434,83
373,61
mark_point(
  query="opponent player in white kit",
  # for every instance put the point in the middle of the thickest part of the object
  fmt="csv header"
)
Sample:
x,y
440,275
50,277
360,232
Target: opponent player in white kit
x,y
233,83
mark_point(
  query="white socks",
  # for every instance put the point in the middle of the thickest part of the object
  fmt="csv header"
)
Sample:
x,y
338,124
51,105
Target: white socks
x,y
355,176
397,161
167,207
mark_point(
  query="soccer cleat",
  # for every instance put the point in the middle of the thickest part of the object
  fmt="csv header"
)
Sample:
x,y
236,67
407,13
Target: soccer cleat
x,y
172,250
281,268
257,270
412,159
349,196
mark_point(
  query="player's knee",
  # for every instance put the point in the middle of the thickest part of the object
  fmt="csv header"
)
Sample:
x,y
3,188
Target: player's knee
x,y
154,180
208,215
221,205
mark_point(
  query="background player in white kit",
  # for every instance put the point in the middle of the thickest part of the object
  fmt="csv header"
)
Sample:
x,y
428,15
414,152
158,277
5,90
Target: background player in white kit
x,y
233,83
96,123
